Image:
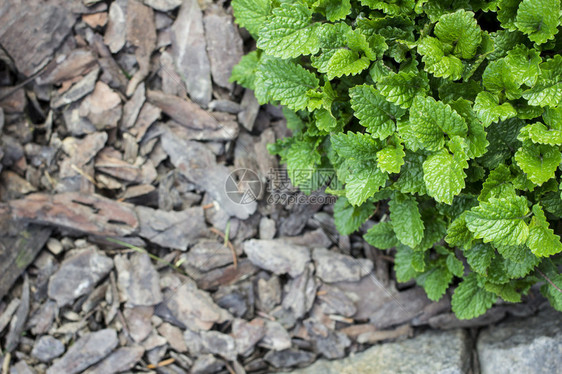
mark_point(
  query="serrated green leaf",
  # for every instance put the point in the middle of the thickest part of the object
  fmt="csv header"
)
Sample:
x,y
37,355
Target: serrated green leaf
x,y
548,90
391,158
435,282
524,64
538,19
458,234
553,118
244,72
373,111
403,264
364,180
470,300
504,41
289,31
479,257
349,218
251,14
542,241
507,13
346,62
431,119
434,230
520,269
390,7
498,184
540,134
406,219
419,261
498,77
382,236
443,176
411,178
302,159
455,265
401,88
487,107
507,291
503,140
355,145
514,253
476,137
552,292
500,220
461,30
284,81
334,9
539,162
437,62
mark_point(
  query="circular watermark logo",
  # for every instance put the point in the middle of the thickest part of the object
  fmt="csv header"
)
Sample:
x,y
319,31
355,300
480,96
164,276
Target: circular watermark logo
x,y
243,186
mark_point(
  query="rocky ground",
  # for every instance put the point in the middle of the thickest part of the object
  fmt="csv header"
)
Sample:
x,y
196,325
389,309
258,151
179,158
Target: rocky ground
x,y
123,249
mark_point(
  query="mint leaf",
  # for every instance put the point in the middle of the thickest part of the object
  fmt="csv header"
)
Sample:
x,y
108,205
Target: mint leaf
x,y
539,162
476,138
455,265
500,220
334,9
461,30
443,176
435,282
524,64
391,158
548,89
498,77
251,14
406,219
538,19
458,234
487,107
349,218
479,257
284,81
302,159
288,32
403,264
401,88
390,7
507,13
355,145
437,62
245,71
540,134
470,300
373,111
381,236
431,119
542,241
364,180
411,178
498,184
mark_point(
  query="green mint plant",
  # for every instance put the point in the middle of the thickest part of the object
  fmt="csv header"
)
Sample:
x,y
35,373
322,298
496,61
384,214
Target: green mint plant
x,y
450,110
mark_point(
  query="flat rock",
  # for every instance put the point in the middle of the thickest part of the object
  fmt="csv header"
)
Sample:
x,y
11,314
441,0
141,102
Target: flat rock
x,y
102,107
31,48
224,45
207,364
163,5
226,129
288,358
86,351
333,300
532,345
21,367
401,308
79,90
247,334
183,111
277,256
138,280
190,52
208,254
227,275
65,67
78,275
268,293
195,309
92,214
174,336
275,337
120,360
250,108
47,348
132,108
197,163
336,267
219,344
115,35
447,321
300,293
331,344
429,353
139,322
176,230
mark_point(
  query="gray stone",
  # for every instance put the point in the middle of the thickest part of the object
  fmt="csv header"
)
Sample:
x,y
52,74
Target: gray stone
x,y
21,367
115,34
138,280
267,228
277,256
174,336
132,108
80,89
275,337
176,230
163,5
197,163
119,361
288,358
138,322
331,344
78,275
207,364
333,300
247,334
401,308
300,293
269,293
47,348
336,267
102,107
250,108
208,254
429,353
67,66
224,45
190,52
86,351
219,344
532,345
